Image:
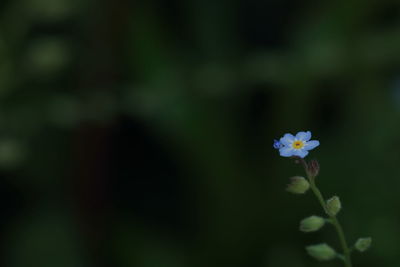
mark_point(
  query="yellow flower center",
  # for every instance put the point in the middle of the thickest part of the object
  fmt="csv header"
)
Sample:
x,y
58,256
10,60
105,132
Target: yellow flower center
x,y
298,144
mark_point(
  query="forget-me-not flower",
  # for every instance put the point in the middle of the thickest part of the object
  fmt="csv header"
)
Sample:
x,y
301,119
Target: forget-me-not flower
x,y
298,145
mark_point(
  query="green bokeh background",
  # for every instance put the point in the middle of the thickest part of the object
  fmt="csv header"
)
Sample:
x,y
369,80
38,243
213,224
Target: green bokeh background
x,y
139,133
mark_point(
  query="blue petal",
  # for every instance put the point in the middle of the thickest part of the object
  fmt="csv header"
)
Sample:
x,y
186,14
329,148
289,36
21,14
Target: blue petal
x,y
301,153
277,144
303,136
287,139
311,144
286,151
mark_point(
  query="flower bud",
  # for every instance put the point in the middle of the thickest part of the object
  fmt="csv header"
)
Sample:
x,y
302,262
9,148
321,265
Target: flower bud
x,y
298,185
321,252
313,168
333,205
311,224
363,244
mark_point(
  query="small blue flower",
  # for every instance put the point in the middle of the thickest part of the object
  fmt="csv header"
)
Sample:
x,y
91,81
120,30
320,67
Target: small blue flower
x,y
277,144
298,145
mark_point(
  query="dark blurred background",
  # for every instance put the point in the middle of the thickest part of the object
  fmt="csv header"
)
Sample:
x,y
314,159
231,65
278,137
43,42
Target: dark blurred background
x,y
139,133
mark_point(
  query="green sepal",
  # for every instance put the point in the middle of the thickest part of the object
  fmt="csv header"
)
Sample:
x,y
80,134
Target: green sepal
x,y
311,224
362,244
333,206
321,252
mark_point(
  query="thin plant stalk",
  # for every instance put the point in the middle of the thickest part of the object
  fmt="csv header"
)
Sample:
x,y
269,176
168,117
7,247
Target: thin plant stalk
x,y
333,219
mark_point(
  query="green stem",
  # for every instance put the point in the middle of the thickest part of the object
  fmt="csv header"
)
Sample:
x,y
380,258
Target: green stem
x,y
333,219
336,224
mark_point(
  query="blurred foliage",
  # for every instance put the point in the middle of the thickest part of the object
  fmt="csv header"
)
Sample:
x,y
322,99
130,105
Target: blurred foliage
x,y
138,133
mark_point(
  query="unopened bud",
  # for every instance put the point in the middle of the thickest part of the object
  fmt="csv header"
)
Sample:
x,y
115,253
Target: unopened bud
x,y
333,205
311,224
298,185
313,168
363,244
321,252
